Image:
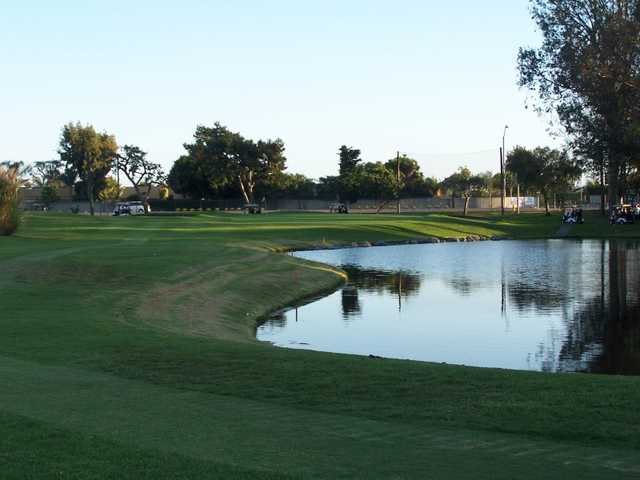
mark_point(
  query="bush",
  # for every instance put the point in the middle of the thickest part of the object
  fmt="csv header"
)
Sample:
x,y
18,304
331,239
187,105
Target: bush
x,y
9,212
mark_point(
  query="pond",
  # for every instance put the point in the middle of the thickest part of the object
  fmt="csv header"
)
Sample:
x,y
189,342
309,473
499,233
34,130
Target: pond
x,y
549,305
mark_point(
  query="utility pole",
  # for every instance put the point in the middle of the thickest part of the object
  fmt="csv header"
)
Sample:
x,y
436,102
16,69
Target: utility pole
x,y
517,196
398,181
503,166
502,181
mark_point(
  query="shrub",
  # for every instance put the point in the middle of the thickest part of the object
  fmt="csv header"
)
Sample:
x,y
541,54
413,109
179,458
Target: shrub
x,y
9,211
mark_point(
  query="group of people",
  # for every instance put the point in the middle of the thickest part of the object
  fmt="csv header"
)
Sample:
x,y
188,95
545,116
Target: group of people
x,y
573,215
622,214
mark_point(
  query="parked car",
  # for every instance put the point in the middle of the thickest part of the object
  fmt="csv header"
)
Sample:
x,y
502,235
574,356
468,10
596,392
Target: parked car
x,y
128,208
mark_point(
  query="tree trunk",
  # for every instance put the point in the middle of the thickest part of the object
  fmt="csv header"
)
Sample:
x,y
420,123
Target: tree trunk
x,y
247,190
453,201
145,201
381,205
89,182
613,181
244,191
466,205
602,191
546,205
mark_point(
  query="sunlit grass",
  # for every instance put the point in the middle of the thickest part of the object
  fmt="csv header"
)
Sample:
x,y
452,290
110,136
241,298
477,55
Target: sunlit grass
x,y
128,346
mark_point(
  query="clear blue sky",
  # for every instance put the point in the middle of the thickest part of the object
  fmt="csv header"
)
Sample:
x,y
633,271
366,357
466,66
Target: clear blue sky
x,y
422,77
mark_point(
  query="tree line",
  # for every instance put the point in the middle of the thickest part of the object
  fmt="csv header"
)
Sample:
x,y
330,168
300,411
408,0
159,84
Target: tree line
x,y
221,164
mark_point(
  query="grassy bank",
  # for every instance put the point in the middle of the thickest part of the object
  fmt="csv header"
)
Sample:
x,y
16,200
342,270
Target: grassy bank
x,y
128,351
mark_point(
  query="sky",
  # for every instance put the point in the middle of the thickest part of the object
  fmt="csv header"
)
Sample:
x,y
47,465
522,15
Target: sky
x,y
435,80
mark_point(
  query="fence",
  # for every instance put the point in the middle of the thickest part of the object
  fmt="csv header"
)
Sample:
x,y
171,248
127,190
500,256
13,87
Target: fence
x,y
424,204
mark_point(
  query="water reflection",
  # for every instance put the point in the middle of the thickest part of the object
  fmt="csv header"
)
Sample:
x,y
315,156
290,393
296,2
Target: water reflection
x,y
570,306
399,284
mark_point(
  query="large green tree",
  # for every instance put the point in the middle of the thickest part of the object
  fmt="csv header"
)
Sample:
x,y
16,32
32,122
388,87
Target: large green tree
x,y
412,181
220,162
544,170
89,154
349,159
377,182
587,70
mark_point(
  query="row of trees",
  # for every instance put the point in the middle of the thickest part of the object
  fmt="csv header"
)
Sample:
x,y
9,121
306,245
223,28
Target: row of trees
x,y
87,160
220,163
587,72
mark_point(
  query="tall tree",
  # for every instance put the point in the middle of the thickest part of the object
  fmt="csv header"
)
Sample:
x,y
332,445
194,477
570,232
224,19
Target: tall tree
x,y
349,159
411,178
142,173
219,162
588,71
462,183
376,181
88,153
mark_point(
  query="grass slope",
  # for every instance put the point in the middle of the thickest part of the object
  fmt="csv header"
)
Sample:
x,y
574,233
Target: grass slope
x,y
128,351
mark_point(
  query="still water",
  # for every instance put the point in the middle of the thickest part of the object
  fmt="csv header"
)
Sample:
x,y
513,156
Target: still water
x,y
552,305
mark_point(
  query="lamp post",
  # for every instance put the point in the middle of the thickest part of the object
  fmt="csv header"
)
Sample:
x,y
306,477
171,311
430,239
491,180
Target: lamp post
x,y
503,166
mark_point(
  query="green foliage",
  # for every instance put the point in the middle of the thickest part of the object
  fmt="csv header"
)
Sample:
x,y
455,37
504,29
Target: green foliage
x,y
587,70
292,185
544,170
9,209
220,162
463,183
375,181
143,174
349,159
88,155
50,172
49,195
111,192
412,181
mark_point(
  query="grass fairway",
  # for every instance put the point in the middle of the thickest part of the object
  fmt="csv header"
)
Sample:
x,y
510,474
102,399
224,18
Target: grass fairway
x,y
127,350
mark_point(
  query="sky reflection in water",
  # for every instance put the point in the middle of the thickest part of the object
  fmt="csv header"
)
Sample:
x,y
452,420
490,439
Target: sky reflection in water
x,y
552,305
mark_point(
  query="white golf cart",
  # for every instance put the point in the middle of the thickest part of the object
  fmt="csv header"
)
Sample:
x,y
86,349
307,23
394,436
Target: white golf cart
x,y
128,208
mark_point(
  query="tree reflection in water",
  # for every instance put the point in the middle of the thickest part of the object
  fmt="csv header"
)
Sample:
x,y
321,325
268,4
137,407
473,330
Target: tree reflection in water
x,y
604,334
400,284
567,306
602,325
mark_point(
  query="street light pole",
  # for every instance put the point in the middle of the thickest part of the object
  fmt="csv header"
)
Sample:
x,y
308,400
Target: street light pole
x,y
501,183
398,181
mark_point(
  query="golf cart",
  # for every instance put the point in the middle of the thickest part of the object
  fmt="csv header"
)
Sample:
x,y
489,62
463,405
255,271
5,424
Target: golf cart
x,y
128,208
572,216
338,208
622,215
253,208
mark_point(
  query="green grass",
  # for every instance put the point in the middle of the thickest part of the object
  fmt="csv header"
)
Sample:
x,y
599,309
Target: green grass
x,y
127,350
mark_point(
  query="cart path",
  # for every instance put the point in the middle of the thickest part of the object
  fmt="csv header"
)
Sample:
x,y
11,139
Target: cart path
x,y
213,427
